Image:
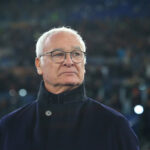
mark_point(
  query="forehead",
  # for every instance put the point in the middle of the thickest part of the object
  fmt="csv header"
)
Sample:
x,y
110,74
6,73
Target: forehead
x,y
63,40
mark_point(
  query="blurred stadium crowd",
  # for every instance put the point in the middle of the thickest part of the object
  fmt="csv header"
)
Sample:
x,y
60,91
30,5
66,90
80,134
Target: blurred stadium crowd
x,y
117,35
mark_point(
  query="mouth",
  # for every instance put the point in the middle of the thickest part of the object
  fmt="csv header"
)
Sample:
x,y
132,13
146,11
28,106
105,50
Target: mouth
x,y
68,73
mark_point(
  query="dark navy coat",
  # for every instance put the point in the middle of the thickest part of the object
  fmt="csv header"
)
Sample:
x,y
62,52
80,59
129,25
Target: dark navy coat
x,y
67,121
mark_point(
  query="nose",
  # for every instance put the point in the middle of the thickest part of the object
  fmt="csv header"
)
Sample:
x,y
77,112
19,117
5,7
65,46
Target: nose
x,y
68,60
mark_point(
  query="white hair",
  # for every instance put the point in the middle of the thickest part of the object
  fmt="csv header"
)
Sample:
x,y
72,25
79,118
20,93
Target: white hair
x,y
50,33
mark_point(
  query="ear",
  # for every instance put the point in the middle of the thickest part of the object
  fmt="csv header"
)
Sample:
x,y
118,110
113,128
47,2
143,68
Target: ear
x,y
38,65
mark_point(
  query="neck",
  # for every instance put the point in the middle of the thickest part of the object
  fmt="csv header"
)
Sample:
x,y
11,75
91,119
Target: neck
x,y
57,89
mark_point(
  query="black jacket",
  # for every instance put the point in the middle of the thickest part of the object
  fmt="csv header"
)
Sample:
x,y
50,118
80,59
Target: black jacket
x,y
67,121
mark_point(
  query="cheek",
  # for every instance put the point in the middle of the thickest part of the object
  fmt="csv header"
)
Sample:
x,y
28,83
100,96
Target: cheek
x,y
82,71
48,69
49,75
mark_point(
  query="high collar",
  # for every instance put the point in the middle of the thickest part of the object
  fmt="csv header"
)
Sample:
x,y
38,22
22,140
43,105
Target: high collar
x,y
49,98
52,104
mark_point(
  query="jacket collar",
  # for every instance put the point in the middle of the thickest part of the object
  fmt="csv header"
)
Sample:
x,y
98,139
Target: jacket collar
x,y
47,102
49,98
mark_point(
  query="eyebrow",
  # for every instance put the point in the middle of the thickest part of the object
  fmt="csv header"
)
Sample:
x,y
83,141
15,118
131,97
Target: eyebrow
x,y
74,48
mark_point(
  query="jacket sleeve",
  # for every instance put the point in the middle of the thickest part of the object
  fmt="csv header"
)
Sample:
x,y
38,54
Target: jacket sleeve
x,y
125,135
0,136
2,130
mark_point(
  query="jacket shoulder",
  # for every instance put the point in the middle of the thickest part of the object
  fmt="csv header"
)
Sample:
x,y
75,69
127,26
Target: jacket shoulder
x,y
104,111
18,114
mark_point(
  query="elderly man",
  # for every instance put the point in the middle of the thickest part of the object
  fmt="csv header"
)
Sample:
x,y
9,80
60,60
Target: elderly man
x,y
63,117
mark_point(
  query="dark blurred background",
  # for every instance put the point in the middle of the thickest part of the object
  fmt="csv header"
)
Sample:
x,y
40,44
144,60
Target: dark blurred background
x,y
117,35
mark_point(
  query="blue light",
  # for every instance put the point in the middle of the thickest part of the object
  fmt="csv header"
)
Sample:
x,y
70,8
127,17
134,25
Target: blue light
x,y
22,92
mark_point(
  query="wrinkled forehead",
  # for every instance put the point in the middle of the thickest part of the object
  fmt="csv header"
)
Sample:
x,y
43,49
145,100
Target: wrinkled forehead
x,y
63,40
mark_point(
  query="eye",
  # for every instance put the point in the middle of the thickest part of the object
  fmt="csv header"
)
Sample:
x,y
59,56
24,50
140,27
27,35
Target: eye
x,y
57,54
77,53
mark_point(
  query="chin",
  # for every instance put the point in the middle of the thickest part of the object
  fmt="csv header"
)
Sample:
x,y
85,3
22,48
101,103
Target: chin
x,y
71,83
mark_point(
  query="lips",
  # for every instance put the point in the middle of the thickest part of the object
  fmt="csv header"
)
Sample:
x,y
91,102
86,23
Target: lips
x,y
68,72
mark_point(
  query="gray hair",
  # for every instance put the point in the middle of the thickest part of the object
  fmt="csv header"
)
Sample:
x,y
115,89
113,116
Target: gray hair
x,y
43,37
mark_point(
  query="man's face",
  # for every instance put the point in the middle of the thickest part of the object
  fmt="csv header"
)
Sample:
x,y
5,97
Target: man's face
x,y
66,73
